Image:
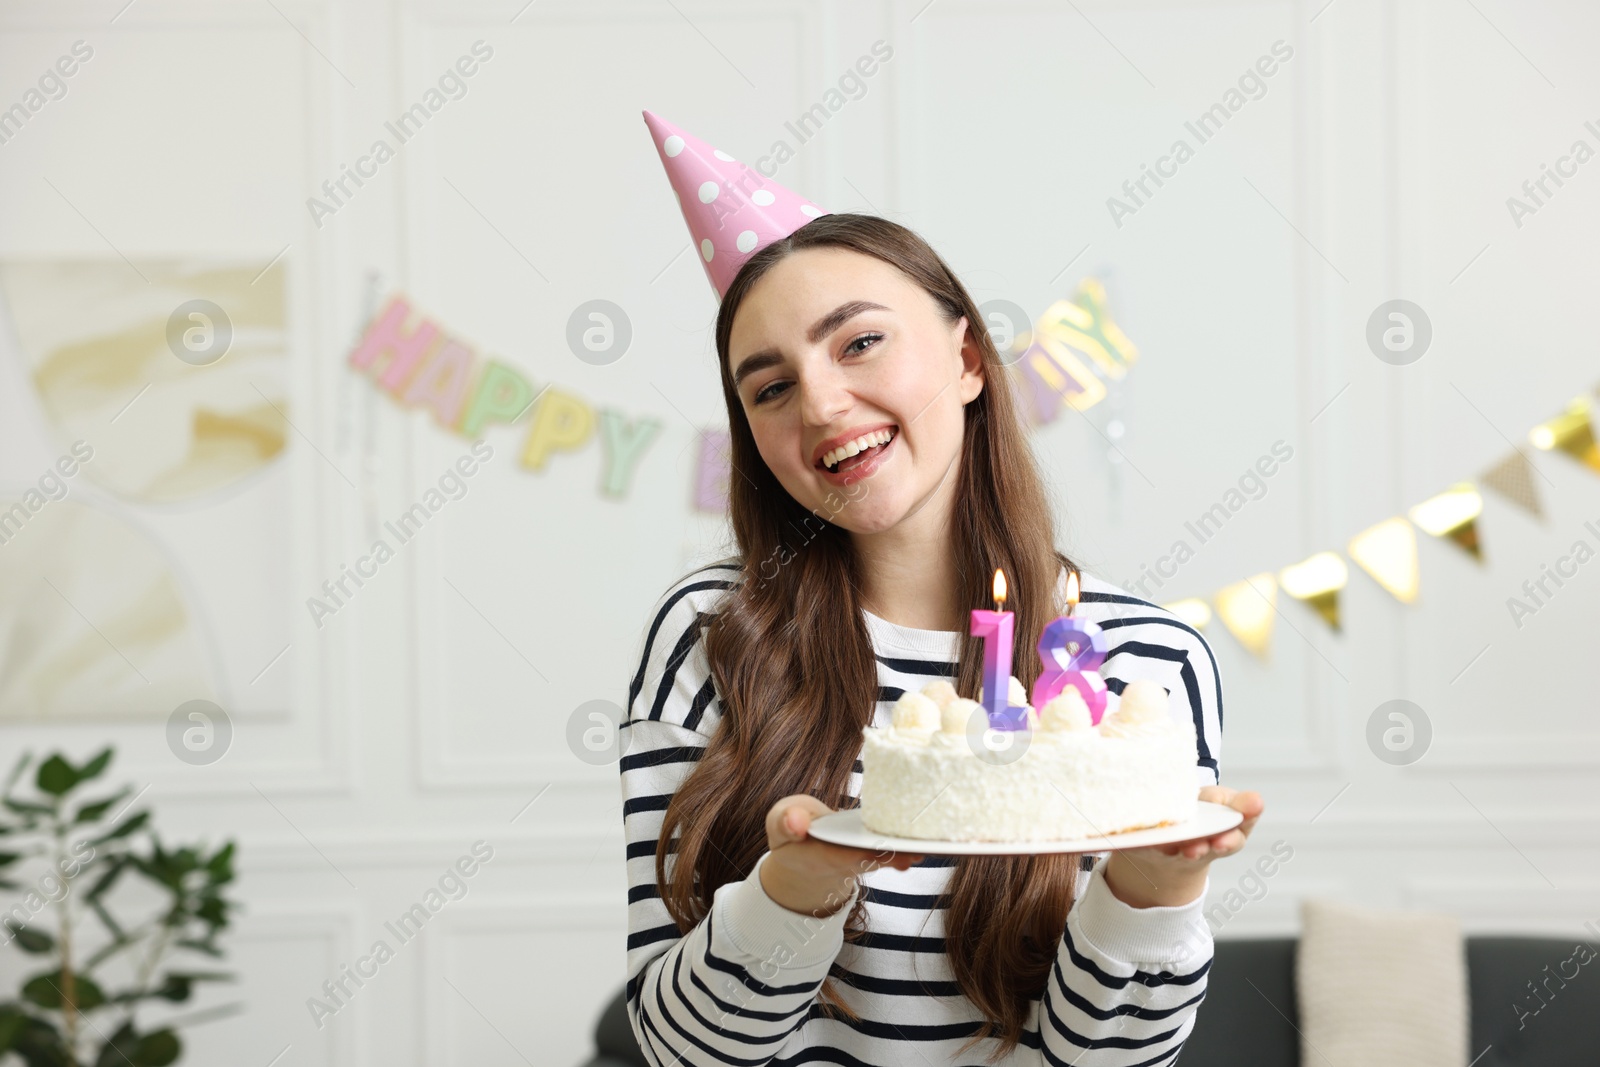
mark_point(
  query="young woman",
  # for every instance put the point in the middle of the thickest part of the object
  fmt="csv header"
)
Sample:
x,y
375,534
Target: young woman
x,y
749,943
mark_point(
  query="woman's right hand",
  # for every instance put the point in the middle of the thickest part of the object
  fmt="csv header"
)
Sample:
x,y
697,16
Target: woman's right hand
x,y
809,876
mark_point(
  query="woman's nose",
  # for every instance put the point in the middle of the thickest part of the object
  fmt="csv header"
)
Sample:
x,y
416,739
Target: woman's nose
x,y
823,397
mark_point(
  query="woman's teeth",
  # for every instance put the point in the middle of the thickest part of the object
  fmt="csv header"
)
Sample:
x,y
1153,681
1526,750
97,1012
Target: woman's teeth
x,y
859,445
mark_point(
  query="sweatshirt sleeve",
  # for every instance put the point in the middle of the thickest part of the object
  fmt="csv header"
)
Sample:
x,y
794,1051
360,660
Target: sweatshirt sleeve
x,y
737,985
1126,982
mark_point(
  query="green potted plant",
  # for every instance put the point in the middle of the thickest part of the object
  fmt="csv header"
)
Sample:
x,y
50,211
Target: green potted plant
x,y
61,857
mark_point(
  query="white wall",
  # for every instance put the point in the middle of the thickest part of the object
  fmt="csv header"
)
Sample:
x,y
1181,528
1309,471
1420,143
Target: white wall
x,y
424,718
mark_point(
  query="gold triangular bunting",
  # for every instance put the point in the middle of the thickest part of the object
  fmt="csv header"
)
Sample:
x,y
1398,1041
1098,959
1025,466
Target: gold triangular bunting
x,y
1512,478
1193,610
1388,552
1572,432
1466,535
1327,605
1453,514
1317,581
1247,609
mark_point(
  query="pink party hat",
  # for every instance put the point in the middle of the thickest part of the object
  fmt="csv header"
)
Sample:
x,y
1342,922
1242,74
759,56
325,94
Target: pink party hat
x,y
732,211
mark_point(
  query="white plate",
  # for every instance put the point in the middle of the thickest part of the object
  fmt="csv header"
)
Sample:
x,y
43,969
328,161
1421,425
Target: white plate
x,y
845,828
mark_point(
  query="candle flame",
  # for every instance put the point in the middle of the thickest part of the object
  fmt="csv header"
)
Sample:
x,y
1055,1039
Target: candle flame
x,y
999,586
1072,591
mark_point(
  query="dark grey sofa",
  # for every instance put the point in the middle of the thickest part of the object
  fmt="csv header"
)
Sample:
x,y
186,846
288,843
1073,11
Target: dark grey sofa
x,y
1237,1024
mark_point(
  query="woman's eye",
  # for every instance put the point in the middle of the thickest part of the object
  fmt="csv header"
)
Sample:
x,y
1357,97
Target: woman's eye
x,y
851,349
767,392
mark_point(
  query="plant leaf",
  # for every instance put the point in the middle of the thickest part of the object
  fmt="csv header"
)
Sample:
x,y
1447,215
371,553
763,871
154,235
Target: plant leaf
x,y
115,928
56,776
115,1051
11,1023
126,1047
29,939
220,865
108,879
119,942
199,946
27,807
123,829
92,811
157,1049
204,976
16,772
45,991
174,987
93,768
39,1044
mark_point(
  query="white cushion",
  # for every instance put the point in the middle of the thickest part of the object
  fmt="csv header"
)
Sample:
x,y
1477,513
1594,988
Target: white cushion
x,y
1378,988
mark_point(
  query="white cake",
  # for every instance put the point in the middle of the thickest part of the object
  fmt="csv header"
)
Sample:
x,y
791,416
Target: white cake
x,y
938,772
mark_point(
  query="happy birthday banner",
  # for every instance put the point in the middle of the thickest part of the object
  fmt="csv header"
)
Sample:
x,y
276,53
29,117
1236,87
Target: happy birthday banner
x,y
422,367
1387,551
1074,348
1064,361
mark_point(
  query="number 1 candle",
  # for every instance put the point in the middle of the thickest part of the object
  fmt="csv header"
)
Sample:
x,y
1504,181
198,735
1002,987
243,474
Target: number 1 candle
x,y
1072,650
995,627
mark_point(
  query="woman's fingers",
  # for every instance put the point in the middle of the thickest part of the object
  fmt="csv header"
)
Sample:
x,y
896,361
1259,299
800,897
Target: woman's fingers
x,y
789,822
1227,844
796,820
1250,805
790,818
1218,846
1247,803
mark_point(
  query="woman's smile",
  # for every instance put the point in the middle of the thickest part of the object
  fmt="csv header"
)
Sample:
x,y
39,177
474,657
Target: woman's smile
x,y
855,455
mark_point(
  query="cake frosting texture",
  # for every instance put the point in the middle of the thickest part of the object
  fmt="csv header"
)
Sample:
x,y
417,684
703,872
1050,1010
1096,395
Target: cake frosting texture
x,y
938,772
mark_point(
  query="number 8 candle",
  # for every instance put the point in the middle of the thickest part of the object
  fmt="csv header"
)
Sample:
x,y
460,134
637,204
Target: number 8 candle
x,y
995,628
1072,650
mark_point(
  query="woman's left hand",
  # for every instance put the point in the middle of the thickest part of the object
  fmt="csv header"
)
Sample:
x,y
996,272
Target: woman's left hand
x,y
1175,874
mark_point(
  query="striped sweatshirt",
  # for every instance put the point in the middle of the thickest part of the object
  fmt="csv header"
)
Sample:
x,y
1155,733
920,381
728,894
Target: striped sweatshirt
x,y
740,988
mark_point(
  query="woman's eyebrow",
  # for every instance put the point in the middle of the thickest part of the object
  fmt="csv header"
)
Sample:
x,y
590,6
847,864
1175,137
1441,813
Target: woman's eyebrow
x,y
819,329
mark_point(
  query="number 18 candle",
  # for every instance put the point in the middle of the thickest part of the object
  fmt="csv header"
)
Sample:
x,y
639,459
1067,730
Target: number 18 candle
x,y
1072,650
995,627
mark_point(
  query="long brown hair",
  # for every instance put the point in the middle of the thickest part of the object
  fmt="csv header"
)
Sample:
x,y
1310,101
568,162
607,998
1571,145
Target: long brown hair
x,y
793,661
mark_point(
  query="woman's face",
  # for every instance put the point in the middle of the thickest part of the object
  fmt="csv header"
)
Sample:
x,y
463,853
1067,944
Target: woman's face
x,y
833,350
